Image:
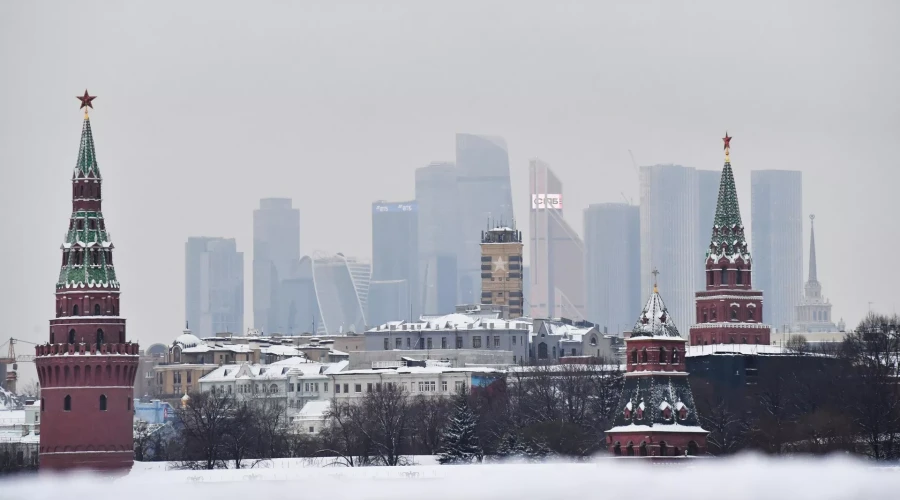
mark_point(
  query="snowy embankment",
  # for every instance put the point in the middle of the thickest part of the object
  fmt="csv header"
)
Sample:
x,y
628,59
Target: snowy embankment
x,y
734,479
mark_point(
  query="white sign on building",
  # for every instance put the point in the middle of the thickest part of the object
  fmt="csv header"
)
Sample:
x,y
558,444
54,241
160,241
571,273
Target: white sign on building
x,y
546,201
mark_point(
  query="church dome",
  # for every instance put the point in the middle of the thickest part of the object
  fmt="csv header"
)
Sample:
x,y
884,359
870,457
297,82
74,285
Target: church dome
x,y
188,339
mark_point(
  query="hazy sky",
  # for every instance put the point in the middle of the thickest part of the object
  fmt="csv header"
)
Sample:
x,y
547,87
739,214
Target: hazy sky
x,y
205,107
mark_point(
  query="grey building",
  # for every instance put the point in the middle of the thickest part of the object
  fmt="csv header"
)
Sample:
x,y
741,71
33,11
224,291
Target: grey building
x,y
276,249
708,195
612,236
395,253
485,198
213,286
452,331
776,211
669,237
298,306
438,203
342,292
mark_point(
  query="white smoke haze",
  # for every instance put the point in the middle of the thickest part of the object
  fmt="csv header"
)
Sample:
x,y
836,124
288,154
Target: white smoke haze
x,y
744,477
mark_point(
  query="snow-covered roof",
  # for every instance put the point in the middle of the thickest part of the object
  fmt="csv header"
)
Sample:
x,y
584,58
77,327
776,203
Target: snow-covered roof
x,y
658,428
314,410
188,339
456,321
655,320
731,349
311,369
246,372
423,370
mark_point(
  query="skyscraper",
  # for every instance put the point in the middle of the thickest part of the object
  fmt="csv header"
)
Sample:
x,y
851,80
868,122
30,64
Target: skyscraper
x,y
556,251
438,234
297,304
776,211
342,291
395,253
612,234
485,196
276,249
213,286
707,191
501,269
669,239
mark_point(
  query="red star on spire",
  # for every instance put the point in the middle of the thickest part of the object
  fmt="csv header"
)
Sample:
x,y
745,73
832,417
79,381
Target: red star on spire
x,y
727,140
86,100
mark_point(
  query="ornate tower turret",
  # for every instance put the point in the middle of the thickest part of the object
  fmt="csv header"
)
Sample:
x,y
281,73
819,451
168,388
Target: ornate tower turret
x,y
656,415
87,369
729,311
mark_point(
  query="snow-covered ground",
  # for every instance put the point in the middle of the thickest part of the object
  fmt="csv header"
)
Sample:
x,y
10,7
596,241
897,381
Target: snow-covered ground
x,y
735,479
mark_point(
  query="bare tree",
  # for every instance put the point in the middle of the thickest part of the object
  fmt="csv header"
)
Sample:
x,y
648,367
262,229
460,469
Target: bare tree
x,y
386,413
205,421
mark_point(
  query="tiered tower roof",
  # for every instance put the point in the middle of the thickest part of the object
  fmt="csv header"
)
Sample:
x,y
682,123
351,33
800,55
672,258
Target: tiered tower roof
x,y
655,320
86,166
728,237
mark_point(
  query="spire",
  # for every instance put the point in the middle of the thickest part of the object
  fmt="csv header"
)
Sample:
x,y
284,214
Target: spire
x,y
86,167
728,230
813,276
654,320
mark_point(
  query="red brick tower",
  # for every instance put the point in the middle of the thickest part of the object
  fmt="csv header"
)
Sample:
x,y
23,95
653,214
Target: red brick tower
x,y
87,369
729,311
656,416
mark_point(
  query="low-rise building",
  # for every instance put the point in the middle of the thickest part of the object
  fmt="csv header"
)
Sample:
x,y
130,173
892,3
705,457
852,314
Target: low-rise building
x,y
428,381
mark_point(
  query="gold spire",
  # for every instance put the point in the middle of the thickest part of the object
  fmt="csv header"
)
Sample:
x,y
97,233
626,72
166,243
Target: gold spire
x,y
85,114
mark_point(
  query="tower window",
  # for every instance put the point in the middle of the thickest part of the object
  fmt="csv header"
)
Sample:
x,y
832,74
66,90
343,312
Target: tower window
x,y
734,313
67,403
644,355
710,278
674,355
634,356
662,355
740,277
724,276
96,309
72,331
99,337
103,402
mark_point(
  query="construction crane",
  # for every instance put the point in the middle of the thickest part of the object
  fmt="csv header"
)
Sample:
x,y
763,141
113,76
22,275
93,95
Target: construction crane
x,y
12,359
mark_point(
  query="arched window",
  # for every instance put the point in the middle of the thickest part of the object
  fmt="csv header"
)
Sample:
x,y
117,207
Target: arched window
x,y
644,355
663,449
662,355
103,402
724,276
750,313
740,277
75,310
100,339
674,355
643,449
542,351
617,449
67,403
634,356
743,340
629,450
593,340
734,313
96,309
72,335
693,449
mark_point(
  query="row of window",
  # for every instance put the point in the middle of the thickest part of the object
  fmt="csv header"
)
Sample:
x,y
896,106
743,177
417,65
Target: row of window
x,y
104,401
94,253
724,276
692,449
429,342
423,386
710,314
732,339
663,356
98,311
93,224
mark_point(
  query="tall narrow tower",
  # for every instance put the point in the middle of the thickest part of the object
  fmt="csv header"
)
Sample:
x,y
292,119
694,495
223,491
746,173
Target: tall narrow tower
x,y
729,311
501,269
87,369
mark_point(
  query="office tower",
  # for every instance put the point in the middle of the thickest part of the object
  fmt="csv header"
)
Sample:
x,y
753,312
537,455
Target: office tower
x,y
485,196
556,251
276,248
395,258
342,290
612,241
814,310
728,310
776,211
501,269
213,286
669,217
298,306
438,235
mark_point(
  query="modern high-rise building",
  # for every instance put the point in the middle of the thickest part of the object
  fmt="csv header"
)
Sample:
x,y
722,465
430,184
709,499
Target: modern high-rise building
x,y
612,262
485,197
395,257
276,249
669,236
213,286
501,269
297,304
438,202
814,310
556,251
776,199
342,292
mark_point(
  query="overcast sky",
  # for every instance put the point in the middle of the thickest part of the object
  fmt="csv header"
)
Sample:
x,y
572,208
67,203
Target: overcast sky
x,y
205,107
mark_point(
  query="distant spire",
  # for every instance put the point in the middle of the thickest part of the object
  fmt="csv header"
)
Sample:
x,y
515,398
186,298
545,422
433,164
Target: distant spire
x,y
813,276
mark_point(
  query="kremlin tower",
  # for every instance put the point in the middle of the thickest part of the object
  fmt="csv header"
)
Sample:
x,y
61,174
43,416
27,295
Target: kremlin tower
x,y
729,311
656,416
87,369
